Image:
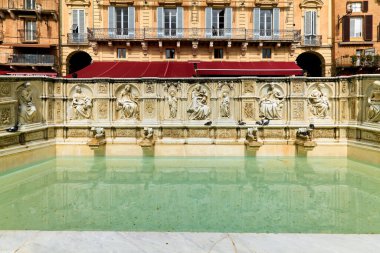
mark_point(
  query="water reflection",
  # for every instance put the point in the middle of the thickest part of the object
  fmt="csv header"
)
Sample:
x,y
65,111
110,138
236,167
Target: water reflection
x,y
193,194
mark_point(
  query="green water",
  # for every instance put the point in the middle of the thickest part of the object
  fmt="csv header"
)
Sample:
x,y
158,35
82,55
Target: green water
x,y
193,194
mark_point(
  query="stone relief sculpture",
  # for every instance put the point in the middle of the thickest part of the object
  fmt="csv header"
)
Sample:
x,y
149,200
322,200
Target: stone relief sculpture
x,y
374,103
27,109
271,104
127,103
81,104
147,138
225,111
198,109
173,104
318,101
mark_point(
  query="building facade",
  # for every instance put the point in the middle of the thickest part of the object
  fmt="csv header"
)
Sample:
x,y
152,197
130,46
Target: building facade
x,y
356,47
209,30
29,37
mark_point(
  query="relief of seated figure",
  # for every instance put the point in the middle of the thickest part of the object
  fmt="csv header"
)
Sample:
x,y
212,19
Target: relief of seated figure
x,y
27,109
198,109
127,104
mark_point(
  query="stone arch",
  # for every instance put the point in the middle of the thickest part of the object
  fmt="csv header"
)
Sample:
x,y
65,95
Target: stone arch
x,y
312,63
77,60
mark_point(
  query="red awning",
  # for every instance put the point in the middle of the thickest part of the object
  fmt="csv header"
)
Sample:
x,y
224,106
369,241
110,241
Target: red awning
x,y
248,69
186,69
136,70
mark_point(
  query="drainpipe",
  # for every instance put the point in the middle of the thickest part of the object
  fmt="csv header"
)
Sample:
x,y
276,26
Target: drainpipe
x,y
60,54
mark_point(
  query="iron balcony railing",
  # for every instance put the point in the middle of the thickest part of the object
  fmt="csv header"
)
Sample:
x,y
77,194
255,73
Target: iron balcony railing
x,y
28,36
97,34
311,40
77,38
31,59
35,5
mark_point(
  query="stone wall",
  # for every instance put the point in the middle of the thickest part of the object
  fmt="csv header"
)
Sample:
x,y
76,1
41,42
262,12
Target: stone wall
x,y
195,111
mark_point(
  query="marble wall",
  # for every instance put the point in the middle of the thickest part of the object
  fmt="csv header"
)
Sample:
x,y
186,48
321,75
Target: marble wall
x,y
195,111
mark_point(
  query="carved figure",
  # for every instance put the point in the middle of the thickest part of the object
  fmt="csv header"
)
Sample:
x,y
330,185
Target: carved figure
x,y
98,132
225,111
147,140
252,134
173,104
81,105
271,104
198,108
319,102
27,109
127,103
374,104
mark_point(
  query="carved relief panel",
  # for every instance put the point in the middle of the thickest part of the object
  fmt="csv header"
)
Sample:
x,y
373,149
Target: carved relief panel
x,y
172,101
30,107
80,104
199,102
225,97
373,101
127,102
318,99
271,102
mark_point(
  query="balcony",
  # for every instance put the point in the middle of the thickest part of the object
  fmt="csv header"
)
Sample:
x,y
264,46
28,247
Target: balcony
x,y
368,61
31,60
237,34
28,36
30,8
311,41
77,38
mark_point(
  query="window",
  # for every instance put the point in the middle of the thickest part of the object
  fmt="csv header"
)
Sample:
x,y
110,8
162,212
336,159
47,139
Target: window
x,y
121,21
218,53
170,53
121,53
217,22
78,25
170,22
266,53
30,4
310,31
266,23
356,7
30,30
356,27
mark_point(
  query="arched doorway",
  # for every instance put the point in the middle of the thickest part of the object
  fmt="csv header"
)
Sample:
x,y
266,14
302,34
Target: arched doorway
x,y
311,63
77,61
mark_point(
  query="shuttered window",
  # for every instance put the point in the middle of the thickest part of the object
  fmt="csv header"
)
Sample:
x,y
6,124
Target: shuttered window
x,y
121,21
78,25
310,23
266,22
218,22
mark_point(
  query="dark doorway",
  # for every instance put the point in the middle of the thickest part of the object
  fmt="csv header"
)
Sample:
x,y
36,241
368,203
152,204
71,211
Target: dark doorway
x,y
310,63
78,61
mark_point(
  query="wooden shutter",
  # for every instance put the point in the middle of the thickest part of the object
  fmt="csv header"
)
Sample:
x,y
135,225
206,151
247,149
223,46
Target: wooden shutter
x,y
228,22
308,23
160,21
378,32
256,23
81,22
368,20
276,21
346,29
180,22
131,21
365,6
111,20
208,22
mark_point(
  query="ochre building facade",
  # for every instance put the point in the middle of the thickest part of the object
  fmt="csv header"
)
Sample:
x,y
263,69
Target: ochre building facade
x,y
211,30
